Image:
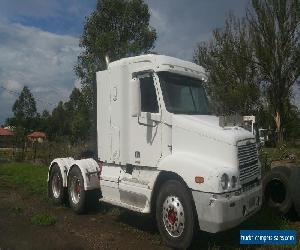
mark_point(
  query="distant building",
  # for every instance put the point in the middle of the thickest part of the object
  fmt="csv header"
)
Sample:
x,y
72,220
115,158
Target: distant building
x,y
37,136
6,138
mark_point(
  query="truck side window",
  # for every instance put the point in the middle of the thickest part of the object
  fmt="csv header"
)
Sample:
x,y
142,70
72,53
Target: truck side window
x,y
148,95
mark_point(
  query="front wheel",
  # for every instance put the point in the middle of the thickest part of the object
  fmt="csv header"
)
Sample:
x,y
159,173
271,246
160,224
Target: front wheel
x,y
77,194
175,214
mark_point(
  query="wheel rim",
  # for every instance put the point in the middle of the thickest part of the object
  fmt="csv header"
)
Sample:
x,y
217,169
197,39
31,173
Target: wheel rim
x,y
173,216
56,185
75,189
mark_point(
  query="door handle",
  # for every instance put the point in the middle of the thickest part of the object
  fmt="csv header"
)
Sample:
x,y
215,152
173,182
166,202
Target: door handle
x,y
147,124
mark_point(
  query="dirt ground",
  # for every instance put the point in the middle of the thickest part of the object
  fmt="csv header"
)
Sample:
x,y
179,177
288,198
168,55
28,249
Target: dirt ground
x,y
104,228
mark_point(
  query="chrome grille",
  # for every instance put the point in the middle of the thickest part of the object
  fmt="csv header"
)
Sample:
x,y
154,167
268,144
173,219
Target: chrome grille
x,y
248,162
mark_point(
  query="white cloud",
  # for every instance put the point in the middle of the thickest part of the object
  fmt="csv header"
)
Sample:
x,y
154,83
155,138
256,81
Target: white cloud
x,y
41,60
158,20
181,25
77,84
12,85
175,38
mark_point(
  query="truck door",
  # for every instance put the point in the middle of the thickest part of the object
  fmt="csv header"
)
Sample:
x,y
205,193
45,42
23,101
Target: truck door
x,y
146,129
145,147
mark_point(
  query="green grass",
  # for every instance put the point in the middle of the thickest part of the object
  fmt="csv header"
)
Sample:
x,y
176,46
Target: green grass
x,y
32,179
275,154
43,220
17,209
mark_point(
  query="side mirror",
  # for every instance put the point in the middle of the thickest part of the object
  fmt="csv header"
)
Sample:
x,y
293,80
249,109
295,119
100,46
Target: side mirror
x,y
135,97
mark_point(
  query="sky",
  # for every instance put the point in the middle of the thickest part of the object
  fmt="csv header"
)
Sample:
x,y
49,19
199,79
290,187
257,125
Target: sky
x,y
39,41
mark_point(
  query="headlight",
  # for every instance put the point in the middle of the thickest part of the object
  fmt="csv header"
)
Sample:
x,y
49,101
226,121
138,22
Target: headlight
x,y
233,181
225,181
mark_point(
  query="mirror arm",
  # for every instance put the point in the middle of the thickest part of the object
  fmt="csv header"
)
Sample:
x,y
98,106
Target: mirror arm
x,y
147,125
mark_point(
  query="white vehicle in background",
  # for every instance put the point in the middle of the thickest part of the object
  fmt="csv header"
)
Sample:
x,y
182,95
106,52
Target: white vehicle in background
x,y
161,151
263,136
260,133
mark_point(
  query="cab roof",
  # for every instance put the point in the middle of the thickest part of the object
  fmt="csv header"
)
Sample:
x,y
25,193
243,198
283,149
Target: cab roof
x,y
157,61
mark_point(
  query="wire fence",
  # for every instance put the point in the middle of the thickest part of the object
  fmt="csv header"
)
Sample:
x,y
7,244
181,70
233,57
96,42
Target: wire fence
x,y
40,153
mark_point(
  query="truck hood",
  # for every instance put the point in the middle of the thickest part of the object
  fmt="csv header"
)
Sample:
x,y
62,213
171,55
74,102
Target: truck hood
x,y
208,126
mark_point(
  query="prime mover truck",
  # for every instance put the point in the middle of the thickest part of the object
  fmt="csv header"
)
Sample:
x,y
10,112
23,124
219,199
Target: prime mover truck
x,y
161,151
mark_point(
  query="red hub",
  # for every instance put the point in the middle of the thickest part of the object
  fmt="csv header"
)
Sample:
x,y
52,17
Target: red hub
x,y
172,216
77,188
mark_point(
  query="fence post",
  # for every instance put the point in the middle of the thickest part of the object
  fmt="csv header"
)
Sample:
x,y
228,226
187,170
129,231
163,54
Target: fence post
x,y
34,156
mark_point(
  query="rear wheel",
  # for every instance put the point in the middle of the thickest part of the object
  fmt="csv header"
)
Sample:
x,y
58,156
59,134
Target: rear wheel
x,y
77,194
277,193
295,188
55,185
175,215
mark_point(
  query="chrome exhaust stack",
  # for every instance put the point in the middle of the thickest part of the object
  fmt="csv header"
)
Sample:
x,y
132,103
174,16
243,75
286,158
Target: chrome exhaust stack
x,y
107,61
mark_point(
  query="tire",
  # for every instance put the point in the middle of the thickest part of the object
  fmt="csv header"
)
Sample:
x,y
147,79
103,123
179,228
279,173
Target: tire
x,y
76,192
175,214
276,189
56,190
295,188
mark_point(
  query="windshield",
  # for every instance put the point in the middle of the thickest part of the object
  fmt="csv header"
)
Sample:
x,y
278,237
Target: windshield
x,y
183,94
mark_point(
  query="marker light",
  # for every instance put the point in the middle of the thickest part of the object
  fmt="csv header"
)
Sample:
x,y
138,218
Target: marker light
x,y
199,179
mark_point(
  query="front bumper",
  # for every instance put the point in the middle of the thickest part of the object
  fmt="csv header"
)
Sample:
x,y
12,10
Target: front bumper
x,y
218,212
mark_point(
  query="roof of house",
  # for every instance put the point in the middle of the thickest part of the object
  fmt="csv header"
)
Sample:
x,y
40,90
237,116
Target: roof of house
x,y
37,134
6,132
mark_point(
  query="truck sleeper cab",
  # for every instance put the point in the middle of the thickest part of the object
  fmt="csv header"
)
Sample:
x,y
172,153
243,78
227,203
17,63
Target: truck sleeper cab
x,y
160,150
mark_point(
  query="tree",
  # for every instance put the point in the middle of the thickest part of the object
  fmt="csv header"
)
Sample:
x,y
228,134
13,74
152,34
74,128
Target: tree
x,y
24,110
117,28
70,120
292,126
59,122
79,117
43,122
275,36
232,83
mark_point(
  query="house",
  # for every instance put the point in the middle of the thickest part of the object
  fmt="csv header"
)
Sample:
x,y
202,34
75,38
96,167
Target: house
x,y
6,138
37,136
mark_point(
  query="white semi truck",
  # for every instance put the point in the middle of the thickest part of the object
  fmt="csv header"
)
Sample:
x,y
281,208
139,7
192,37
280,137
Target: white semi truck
x,y
161,151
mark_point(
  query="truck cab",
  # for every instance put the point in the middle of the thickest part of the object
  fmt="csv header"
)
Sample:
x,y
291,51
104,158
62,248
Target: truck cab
x,y
161,151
